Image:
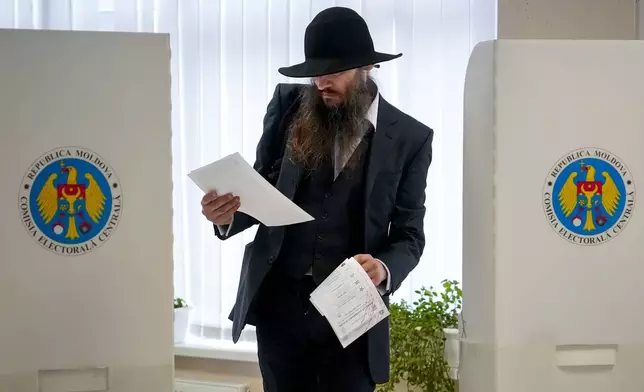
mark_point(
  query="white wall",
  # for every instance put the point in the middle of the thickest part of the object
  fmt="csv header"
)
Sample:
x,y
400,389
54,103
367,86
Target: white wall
x,y
567,19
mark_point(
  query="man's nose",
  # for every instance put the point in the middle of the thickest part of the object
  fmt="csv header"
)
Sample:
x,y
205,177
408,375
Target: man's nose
x,y
323,82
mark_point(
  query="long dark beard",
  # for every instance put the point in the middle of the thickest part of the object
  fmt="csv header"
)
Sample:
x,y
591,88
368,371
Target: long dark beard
x,y
317,127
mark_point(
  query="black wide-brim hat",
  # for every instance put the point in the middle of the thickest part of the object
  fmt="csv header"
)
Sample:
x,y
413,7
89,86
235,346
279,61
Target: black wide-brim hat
x,y
336,40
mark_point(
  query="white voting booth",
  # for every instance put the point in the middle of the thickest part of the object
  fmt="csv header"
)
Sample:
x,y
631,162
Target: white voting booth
x,y
553,244
86,207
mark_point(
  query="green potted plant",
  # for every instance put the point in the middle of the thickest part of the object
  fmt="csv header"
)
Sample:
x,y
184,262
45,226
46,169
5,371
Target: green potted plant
x,y
424,335
181,319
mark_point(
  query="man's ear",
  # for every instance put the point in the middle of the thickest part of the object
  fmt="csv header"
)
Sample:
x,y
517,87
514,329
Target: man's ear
x,y
365,71
368,68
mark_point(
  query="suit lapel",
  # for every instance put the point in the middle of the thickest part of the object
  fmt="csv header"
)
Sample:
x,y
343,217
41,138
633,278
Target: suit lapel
x,y
289,177
381,145
290,172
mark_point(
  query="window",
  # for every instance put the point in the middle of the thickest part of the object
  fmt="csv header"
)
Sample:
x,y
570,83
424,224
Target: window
x,y
225,55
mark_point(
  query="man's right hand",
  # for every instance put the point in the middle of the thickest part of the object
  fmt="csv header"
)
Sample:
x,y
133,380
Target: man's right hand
x,y
219,209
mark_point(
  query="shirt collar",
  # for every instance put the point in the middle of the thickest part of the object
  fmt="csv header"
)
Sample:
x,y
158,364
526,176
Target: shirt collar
x,y
372,112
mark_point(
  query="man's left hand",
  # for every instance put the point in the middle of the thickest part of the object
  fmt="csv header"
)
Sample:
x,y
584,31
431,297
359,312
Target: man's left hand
x,y
373,267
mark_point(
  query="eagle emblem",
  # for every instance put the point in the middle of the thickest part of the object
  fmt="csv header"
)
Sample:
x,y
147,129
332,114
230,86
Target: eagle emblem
x,y
70,206
592,200
70,201
589,196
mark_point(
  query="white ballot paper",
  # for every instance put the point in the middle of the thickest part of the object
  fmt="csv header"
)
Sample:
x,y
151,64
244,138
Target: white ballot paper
x,y
259,199
349,301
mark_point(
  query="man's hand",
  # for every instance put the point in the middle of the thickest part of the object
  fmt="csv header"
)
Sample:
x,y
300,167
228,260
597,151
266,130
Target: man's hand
x,y
373,267
219,209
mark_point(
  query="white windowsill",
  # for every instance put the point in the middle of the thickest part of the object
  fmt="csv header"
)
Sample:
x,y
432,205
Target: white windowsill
x,y
196,347
216,349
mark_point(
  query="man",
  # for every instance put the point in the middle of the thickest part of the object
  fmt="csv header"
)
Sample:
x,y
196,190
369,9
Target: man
x,y
359,167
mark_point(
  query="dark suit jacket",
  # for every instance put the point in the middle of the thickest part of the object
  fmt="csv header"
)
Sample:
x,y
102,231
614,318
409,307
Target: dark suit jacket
x,y
394,192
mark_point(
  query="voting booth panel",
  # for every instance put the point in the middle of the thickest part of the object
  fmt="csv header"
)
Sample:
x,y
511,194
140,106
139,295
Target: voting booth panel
x,y
553,250
86,202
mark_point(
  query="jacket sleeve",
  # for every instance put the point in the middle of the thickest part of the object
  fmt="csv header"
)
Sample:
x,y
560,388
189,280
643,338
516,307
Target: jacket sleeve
x,y
263,163
406,232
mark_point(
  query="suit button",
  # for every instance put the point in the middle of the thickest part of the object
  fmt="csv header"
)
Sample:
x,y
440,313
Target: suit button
x,y
317,256
271,259
325,215
327,195
320,236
